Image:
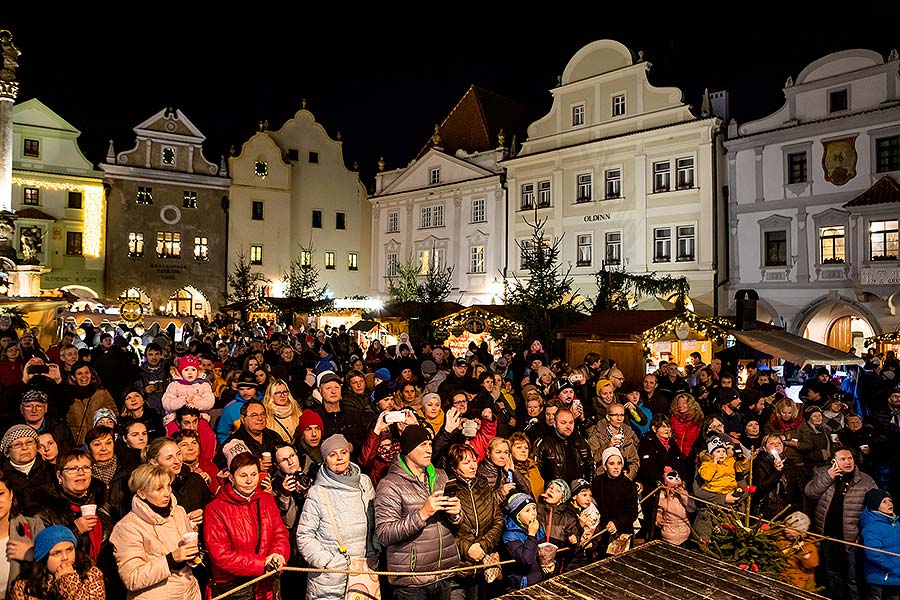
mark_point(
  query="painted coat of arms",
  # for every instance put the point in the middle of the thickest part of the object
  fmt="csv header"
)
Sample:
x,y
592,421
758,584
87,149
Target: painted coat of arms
x,y
839,160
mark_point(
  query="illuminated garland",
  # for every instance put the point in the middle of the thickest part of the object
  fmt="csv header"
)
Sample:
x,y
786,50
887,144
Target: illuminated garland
x,y
495,325
892,337
714,328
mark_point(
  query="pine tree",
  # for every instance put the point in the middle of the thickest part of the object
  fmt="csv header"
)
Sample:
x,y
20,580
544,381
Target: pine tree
x,y
302,281
618,289
245,284
436,283
404,286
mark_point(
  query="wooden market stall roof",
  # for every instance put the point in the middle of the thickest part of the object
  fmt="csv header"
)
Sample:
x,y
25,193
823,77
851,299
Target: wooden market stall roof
x,y
617,323
410,310
657,571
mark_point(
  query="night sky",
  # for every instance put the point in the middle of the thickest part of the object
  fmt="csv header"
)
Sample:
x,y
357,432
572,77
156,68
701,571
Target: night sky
x,y
385,84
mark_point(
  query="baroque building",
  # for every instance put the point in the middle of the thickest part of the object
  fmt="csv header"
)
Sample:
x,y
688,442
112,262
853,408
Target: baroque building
x,y
624,173
814,198
167,219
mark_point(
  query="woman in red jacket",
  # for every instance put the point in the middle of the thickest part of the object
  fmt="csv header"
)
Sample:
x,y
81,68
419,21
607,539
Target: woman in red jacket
x,y
686,417
244,533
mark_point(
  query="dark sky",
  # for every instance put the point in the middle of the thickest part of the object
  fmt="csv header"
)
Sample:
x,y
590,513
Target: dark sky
x,y
384,81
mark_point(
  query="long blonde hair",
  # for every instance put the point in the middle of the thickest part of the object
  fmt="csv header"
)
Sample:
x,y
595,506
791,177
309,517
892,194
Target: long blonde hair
x,y
695,413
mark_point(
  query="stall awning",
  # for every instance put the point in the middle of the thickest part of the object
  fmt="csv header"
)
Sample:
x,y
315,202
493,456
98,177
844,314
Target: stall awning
x,y
363,325
793,348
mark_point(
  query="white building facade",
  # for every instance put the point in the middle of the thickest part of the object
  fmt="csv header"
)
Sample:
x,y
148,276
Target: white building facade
x,y
813,201
291,190
625,172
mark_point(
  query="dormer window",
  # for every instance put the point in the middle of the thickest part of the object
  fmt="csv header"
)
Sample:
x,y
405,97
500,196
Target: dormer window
x,y
168,156
434,175
838,100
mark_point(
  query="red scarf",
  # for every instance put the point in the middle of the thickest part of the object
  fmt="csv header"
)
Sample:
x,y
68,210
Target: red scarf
x,y
95,535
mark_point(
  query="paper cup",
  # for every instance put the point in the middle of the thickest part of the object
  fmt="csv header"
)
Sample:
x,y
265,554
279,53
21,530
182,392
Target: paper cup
x,y
191,537
88,510
546,553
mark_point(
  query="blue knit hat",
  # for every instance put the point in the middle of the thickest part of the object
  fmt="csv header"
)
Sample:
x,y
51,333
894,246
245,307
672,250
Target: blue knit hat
x,y
49,537
383,374
517,502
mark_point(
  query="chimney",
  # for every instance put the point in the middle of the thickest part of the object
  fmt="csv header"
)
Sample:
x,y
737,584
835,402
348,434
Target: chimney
x,y
745,310
721,106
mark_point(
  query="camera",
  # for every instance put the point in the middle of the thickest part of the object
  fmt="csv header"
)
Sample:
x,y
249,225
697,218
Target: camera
x,y
394,416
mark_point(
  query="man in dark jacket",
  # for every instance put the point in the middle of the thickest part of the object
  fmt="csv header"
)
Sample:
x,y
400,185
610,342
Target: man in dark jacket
x,y
337,417
253,432
153,376
564,454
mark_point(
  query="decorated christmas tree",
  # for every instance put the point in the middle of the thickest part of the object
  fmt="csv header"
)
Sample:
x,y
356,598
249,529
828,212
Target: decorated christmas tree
x,y
752,547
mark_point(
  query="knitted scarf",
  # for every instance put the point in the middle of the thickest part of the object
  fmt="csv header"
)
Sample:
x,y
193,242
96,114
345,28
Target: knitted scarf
x,y
104,470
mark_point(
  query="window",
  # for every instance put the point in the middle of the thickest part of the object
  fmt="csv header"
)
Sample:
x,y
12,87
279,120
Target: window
x,y
661,176
527,196
776,248
543,194
353,261
883,240
662,244
578,115
73,243
340,220
144,195
75,200
585,250
440,258
434,175
329,260
524,253
431,216
256,255
313,158
684,173
168,244
585,188
31,196
201,248
135,244
618,105
392,264
613,183
393,221
256,210
168,156
305,258
424,262
293,154
685,243
317,219
831,243
32,149
261,169
190,199
439,215
838,100
476,259
424,217
614,248
478,210
797,167
887,152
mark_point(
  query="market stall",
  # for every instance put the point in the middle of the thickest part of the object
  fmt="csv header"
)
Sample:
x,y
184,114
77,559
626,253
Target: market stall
x,y
479,323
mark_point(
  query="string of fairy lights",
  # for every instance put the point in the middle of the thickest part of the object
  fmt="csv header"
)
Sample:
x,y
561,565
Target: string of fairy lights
x,y
713,328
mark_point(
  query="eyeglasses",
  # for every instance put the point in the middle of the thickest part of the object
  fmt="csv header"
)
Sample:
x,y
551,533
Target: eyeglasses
x,y
460,402
281,393
288,458
256,415
33,406
72,470
22,444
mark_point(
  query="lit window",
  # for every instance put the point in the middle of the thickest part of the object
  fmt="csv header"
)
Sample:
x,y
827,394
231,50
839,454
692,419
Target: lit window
x,y
578,115
392,264
476,262
393,221
32,149
684,173
168,156
797,167
613,183
73,243
661,176
614,248
686,242
585,250
261,169
543,194
585,188
776,248
168,244
256,255
887,152
144,195
424,262
440,258
478,210
329,260
618,105
831,243
135,244
527,196
434,175
76,200
31,196
317,219
662,244
305,258
340,220
883,240
353,261
256,210
201,248
190,199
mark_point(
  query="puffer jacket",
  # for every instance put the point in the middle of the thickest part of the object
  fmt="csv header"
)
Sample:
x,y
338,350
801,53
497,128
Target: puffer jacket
x,y
881,531
197,393
413,544
821,487
142,541
352,503
497,479
482,521
233,530
599,440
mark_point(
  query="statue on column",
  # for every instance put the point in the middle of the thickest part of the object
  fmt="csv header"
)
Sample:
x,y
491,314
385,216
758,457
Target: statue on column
x,y
10,55
30,245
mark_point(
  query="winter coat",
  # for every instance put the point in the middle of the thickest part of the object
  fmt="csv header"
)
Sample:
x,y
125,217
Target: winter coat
x,y
373,459
655,457
672,516
443,439
821,488
684,433
207,437
239,534
559,522
142,541
617,501
156,377
21,529
802,560
61,509
529,469
880,531
815,447
599,440
482,521
30,489
352,504
721,478
85,403
413,544
788,430
564,458
775,489
197,393
497,479
522,548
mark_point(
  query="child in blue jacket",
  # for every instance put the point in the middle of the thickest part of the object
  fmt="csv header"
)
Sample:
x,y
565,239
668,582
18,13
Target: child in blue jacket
x,y
522,532
879,528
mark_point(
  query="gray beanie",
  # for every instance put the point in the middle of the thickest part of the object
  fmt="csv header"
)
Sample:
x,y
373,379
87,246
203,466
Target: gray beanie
x,y
333,443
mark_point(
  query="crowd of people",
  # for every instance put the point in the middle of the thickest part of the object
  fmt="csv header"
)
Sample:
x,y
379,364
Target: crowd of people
x,y
191,468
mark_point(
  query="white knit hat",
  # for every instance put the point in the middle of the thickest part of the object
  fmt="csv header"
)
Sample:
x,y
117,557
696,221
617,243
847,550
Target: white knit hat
x,y
611,451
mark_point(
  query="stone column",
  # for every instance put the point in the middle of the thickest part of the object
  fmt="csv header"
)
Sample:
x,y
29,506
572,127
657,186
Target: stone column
x,y
8,92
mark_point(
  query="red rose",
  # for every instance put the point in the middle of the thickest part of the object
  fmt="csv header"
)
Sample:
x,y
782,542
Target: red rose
x,y
743,566
764,527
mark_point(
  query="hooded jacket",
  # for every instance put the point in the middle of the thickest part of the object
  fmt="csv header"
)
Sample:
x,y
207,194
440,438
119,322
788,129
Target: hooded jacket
x,y
881,531
413,544
523,549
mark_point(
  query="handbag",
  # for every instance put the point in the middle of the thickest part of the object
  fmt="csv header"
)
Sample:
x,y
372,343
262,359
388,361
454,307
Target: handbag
x,y
362,585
